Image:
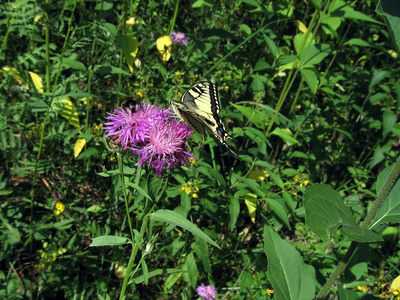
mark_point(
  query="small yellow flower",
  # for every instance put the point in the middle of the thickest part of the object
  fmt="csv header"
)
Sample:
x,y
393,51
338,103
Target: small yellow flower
x,y
59,208
179,73
362,288
301,180
269,292
192,161
139,94
190,189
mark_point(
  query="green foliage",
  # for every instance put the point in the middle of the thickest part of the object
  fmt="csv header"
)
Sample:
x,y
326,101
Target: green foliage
x,y
309,91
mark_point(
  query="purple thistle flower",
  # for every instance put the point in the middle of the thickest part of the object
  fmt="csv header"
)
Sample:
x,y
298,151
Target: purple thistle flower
x,y
165,147
179,38
208,292
129,127
151,132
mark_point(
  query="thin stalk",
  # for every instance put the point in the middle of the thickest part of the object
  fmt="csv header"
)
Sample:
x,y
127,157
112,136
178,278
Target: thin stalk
x,y
46,117
173,20
238,46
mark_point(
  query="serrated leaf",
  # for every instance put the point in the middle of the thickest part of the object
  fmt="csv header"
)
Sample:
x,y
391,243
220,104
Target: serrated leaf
x,y
68,110
172,217
290,277
109,240
325,210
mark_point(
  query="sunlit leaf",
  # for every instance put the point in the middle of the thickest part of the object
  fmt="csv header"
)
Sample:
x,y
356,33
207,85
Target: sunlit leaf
x,y
37,81
251,202
164,46
79,144
68,110
129,46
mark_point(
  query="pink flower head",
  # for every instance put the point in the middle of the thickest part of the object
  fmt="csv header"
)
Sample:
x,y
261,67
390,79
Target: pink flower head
x,y
130,127
208,292
165,147
179,38
151,132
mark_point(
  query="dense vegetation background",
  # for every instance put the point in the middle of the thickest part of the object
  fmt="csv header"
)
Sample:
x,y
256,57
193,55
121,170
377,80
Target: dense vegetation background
x,y
310,92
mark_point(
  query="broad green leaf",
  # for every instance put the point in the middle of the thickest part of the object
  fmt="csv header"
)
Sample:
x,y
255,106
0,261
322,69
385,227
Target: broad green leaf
x,y
261,65
258,84
104,69
246,282
290,277
140,190
378,76
234,210
145,271
277,179
91,151
359,42
325,210
129,46
68,110
357,234
390,9
279,209
356,15
390,209
253,115
389,121
201,3
201,250
171,217
245,28
73,64
286,135
192,274
109,240
358,263
310,76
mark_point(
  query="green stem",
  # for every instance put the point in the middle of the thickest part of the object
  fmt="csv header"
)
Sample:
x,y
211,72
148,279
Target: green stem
x,y
383,193
173,21
238,46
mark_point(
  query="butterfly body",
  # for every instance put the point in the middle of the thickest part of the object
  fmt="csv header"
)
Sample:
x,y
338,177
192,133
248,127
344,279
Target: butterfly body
x,y
199,108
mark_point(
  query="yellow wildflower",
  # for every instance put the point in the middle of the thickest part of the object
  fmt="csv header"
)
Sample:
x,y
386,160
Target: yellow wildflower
x,y
190,189
269,292
139,94
59,208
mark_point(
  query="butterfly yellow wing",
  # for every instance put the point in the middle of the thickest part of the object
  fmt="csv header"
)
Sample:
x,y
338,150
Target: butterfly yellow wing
x,y
199,108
